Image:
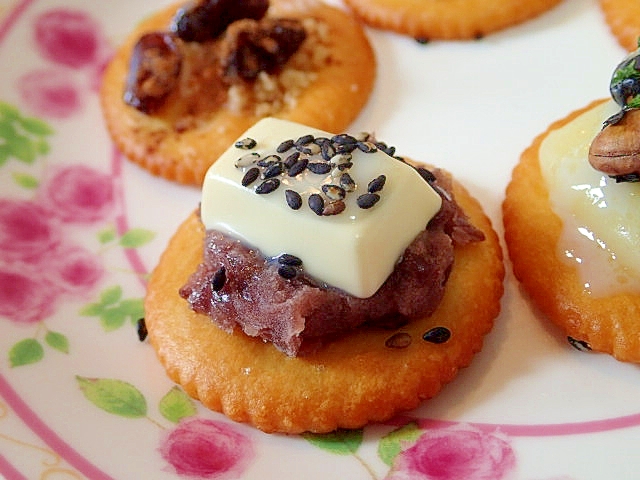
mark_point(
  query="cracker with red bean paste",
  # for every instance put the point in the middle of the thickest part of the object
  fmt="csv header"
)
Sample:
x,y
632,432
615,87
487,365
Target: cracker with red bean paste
x,y
325,84
623,18
366,376
608,324
447,19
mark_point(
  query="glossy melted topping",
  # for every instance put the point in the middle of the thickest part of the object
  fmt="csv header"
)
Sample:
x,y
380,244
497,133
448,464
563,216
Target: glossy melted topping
x,y
349,235
601,233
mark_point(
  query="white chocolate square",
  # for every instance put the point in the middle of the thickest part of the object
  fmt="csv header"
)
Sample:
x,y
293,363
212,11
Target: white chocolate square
x,y
355,250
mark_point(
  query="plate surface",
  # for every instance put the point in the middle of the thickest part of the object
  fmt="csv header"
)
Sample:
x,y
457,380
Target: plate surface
x,y
80,396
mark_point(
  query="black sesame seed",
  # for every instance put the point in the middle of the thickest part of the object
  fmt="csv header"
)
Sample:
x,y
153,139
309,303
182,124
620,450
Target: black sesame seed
x,y
426,174
246,143
391,151
347,182
141,328
344,139
288,259
219,278
273,170
345,147
327,151
268,186
398,340
380,145
291,159
376,184
345,166
310,149
304,140
246,160
341,158
366,147
319,167
269,160
284,146
287,271
316,203
334,192
298,167
367,200
437,335
580,345
250,176
333,208
293,198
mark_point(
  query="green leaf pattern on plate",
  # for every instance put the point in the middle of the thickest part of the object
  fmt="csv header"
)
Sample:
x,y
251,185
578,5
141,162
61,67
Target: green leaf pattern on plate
x,y
176,405
136,237
112,310
21,138
125,400
390,445
58,341
114,396
26,352
340,442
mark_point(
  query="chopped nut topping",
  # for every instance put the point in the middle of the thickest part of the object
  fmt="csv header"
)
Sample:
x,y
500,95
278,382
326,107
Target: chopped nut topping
x,y
251,47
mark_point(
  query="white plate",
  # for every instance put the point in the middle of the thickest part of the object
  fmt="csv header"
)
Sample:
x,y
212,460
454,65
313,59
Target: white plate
x,y
82,397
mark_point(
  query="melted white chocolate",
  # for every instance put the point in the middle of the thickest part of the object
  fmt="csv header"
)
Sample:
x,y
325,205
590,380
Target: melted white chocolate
x,y
355,250
601,232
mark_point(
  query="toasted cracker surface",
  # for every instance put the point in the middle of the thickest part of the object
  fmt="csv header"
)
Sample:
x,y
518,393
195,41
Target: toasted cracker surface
x,y
608,324
331,102
447,19
347,383
623,18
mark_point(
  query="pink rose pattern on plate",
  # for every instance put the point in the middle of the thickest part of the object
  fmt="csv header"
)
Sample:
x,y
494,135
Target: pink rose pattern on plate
x,y
67,37
76,193
51,93
203,448
455,453
42,266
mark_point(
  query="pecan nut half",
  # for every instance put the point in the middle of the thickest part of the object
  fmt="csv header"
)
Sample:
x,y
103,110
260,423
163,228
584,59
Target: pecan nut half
x,y
207,19
615,151
155,66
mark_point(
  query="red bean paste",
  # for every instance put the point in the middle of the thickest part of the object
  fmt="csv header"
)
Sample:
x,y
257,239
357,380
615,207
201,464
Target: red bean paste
x,y
298,314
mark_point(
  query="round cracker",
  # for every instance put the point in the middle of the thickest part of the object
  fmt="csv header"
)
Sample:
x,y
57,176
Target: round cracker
x,y
623,18
448,19
347,383
340,90
608,324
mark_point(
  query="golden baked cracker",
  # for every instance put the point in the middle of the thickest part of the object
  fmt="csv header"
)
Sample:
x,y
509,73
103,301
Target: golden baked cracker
x,y
347,383
447,19
338,92
608,324
623,18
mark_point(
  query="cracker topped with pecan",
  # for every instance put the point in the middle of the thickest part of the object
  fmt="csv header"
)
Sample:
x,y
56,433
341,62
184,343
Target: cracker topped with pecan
x,y
190,78
615,151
